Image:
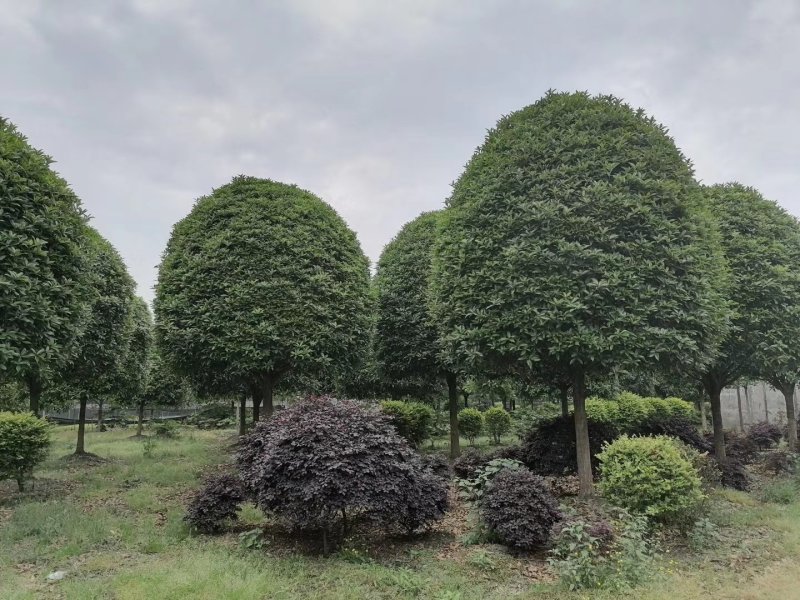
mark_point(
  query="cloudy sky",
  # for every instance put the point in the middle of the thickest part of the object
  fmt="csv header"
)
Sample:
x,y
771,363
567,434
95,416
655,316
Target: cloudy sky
x,y
375,105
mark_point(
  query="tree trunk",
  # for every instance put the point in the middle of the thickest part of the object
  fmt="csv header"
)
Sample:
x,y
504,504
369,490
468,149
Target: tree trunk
x,y
100,425
452,393
140,421
564,401
466,398
791,419
739,404
35,390
257,394
766,405
749,404
243,414
716,422
80,448
269,387
584,453
701,406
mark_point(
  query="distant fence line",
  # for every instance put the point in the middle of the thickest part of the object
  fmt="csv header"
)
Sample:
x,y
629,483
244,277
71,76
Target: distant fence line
x,y
760,402
120,414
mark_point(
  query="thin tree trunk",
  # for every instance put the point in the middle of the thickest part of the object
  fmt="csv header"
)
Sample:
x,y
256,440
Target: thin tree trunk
x,y
791,419
766,405
466,398
701,405
564,401
716,422
269,388
257,394
452,394
80,448
748,402
243,414
739,404
100,425
140,421
35,390
584,453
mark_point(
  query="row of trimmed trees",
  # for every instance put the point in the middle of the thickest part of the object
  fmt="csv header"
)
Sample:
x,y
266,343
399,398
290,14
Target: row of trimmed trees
x,y
72,330
577,244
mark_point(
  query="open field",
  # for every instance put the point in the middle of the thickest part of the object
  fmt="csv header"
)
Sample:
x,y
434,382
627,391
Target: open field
x,y
116,529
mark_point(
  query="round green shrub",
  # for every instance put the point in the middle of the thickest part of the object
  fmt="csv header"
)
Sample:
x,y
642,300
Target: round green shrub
x,y
650,475
24,440
470,423
498,422
412,420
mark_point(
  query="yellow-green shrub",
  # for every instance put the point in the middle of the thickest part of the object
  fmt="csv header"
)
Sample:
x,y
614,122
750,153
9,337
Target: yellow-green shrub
x,y
651,476
24,440
498,422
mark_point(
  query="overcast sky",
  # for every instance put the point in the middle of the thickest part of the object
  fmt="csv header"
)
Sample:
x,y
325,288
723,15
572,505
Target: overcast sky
x,y
374,105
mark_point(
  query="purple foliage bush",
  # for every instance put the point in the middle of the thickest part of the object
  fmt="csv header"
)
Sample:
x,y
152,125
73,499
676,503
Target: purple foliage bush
x,y
519,510
325,463
215,503
764,435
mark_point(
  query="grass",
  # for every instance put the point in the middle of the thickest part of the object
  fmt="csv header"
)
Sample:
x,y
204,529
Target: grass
x,y
116,529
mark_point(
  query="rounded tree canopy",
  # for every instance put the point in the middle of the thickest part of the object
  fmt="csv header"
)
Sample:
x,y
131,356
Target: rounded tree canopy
x,y
761,242
259,279
96,367
41,230
407,339
577,240
135,366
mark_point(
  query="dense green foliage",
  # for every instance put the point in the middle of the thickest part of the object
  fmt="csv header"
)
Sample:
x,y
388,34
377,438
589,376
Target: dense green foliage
x,y
96,369
260,279
24,440
470,423
135,368
612,556
578,209
407,340
41,264
412,420
498,422
651,476
761,242
628,412
519,510
407,345
576,242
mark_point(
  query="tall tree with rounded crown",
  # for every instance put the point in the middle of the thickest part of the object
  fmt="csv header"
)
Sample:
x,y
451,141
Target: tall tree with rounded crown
x,y
261,279
761,242
576,242
407,342
96,369
41,294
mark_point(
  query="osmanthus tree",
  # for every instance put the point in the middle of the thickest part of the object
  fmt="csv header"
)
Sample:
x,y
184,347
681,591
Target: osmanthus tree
x,y
41,296
261,279
164,387
761,242
407,341
136,367
96,367
577,242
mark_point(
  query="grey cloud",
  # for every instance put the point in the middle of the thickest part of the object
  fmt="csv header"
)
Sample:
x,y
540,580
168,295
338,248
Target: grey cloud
x,y
375,106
